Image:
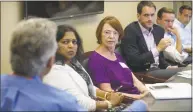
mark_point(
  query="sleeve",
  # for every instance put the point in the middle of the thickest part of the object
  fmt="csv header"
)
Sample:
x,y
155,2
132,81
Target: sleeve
x,y
163,64
172,54
61,79
131,51
155,52
98,71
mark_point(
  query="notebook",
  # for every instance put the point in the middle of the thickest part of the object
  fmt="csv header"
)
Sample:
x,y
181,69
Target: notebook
x,y
170,90
185,74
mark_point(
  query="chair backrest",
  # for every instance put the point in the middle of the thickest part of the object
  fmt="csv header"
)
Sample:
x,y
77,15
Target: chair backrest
x,y
84,60
118,49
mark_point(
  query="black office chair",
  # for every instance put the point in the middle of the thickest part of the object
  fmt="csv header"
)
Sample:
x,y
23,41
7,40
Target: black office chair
x,y
84,60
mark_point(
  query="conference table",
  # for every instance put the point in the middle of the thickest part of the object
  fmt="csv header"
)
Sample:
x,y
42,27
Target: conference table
x,y
174,104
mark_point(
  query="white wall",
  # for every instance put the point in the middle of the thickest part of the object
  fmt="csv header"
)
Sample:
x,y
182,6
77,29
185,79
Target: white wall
x,y
11,13
126,12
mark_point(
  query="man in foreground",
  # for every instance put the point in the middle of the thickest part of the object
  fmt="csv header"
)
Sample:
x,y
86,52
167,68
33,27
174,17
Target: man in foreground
x,y
33,47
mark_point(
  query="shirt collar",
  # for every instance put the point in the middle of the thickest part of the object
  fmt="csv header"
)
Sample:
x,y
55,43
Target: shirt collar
x,y
35,77
144,30
169,34
179,23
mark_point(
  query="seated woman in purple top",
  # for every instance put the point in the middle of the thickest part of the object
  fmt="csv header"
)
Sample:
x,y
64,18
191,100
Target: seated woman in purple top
x,y
108,70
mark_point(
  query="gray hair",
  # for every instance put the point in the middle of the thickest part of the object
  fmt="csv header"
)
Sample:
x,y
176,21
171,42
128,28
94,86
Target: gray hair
x,y
33,44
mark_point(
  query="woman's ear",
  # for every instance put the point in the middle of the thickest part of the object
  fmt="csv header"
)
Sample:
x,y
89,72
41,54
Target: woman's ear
x,y
59,48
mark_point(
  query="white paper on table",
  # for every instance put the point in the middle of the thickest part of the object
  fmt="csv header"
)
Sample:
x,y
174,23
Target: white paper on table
x,y
175,90
185,74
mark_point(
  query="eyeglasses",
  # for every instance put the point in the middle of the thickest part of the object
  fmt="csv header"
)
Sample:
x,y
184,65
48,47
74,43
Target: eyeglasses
x,y
108,33
67,41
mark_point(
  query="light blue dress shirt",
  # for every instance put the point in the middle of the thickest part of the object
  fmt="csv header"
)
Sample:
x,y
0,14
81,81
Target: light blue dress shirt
x,y
185,33
171,53
150,42
21,94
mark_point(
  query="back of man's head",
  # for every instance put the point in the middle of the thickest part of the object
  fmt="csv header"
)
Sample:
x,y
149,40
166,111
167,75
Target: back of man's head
x,y
143,4
33,44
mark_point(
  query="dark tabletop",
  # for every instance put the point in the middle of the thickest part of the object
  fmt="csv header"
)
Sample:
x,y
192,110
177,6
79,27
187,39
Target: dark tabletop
x,y
174,104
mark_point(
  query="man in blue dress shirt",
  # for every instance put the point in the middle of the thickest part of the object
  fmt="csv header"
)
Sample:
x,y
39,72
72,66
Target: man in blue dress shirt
x,y
174,53
33,46
183,24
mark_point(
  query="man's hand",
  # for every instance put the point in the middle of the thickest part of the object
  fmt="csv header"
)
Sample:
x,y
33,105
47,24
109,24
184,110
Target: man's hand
x,y
163,44
173,30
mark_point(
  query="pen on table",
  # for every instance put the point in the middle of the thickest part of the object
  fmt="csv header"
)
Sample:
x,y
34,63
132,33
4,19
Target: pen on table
x,y
116,90
151,88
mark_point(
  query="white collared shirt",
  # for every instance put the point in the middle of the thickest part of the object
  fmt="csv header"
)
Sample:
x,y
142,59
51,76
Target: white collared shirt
x,y
171,52
185,33
150,42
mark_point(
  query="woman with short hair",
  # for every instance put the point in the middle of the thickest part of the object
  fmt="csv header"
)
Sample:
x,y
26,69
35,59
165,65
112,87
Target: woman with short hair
x,y
108,69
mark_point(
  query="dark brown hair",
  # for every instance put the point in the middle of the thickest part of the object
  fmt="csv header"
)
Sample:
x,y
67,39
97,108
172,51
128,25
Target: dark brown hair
x,y
113,22
143,4
164,10
184,7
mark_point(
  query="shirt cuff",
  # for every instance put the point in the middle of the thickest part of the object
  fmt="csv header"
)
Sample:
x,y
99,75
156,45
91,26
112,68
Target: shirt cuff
x,y
155,52
186,46
168,66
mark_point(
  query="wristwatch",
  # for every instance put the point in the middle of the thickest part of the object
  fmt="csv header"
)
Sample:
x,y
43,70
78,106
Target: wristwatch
x,y
109,104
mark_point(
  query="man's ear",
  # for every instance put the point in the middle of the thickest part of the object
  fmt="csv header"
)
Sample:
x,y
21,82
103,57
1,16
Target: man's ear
x,y
50,62
138,16
158,20
179,14
48,67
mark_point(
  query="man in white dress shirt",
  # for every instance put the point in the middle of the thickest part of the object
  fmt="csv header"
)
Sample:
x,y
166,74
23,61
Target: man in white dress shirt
x,y
183,24
174,52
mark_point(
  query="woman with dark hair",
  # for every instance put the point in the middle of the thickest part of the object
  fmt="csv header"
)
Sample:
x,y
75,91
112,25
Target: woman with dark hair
x,y
108,69
68,74
71,32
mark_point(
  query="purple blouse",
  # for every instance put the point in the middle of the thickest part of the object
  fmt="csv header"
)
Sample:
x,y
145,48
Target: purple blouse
x,y
103,70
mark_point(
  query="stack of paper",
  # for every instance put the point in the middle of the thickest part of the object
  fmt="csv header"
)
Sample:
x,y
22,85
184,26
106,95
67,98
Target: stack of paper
x,y
170,90
185,74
